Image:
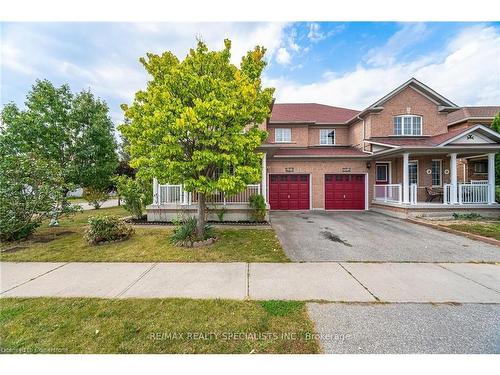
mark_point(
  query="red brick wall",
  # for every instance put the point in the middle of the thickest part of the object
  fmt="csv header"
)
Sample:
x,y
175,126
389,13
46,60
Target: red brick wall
x,y
317,169
382,124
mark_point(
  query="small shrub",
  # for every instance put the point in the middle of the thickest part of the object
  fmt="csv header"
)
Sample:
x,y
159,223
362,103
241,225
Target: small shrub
x,y
133,194
185,231
220,213
105,229
470,216
497,194
95,197
258,205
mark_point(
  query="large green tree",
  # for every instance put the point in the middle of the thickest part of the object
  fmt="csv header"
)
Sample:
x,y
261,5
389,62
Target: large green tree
x,y
73,132
196,123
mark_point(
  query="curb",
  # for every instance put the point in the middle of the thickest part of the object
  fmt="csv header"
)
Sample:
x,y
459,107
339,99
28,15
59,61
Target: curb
x,y
441,228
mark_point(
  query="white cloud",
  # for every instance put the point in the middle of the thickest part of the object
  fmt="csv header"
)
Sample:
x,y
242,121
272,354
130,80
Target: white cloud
x,y
315,35
283,57
401,41
104,56
467,72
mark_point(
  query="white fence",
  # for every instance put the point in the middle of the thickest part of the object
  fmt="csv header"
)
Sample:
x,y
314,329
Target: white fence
x,y
387,193
175,194
468,193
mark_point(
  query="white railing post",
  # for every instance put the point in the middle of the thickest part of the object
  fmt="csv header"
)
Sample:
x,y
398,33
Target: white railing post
x,y
385,193
406,178
453,178
491,178
400,196
460,195
264,178
155,191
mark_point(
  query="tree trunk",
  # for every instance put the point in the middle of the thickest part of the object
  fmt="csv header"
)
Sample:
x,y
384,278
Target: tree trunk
x,y
200,226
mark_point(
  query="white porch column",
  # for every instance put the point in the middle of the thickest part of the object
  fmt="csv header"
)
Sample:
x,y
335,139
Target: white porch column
x,y
155,191
263,188
453,178
491,178
406,178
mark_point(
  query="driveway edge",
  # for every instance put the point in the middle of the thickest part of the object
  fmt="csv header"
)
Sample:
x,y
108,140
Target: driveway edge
x,y
441,228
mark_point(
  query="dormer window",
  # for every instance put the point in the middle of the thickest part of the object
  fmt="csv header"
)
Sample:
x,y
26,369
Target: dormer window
x,y
326,136
407,125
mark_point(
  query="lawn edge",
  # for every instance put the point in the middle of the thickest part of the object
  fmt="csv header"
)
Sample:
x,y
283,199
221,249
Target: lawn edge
x,y
443,228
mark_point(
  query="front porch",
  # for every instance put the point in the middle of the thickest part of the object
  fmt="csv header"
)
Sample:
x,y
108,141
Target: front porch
x,y
422,184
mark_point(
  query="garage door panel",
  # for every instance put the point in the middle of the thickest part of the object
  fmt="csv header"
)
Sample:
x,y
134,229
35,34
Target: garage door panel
x,y
344,192
289,192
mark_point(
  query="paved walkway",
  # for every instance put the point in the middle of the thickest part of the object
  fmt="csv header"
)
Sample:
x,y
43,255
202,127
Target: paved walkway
x,y
106,204
344,282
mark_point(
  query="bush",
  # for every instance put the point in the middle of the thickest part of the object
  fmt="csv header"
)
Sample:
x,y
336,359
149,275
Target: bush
x,y
105,229
30,192
258,205
185,231
95,197
470,216
134,195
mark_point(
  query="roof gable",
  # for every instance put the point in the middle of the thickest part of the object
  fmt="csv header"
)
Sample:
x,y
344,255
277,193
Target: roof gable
x,y
478,134
443,104
420,88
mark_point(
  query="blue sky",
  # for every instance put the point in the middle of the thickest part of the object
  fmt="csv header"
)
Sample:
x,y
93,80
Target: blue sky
x,y
337,63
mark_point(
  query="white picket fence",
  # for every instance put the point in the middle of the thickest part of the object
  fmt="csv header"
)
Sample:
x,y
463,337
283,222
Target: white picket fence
x,y
175,194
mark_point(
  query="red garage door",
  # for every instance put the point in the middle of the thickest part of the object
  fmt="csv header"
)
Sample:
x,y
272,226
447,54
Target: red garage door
x,y
289,191
345,192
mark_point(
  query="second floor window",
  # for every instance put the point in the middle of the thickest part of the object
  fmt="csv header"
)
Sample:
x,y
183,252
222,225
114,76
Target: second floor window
x,y
326,137
283,135
407,125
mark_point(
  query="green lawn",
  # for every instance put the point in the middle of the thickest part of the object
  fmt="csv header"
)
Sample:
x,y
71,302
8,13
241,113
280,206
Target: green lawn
x,y
148,244
87,325
483,228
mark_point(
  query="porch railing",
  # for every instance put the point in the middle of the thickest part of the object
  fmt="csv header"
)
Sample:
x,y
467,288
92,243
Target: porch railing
x,y
387,193
175,194
413,194
468,193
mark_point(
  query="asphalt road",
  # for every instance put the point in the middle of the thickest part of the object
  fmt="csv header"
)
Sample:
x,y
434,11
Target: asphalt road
x,y
407,328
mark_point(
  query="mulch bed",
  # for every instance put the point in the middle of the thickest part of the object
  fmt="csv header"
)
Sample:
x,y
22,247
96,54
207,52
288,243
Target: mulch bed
x,y
143,221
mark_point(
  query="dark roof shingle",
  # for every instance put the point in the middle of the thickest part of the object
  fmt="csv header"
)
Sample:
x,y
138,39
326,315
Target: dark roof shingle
x,y
466,112
310,112
320,151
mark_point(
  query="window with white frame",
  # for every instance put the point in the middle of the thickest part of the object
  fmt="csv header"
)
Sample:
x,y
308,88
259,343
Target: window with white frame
x,y
326,136
481,167
283,135
413,172
407,125
437,178
382,173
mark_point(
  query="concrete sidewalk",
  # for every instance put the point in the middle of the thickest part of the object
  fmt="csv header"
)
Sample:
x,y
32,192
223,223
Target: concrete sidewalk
x,y
350,282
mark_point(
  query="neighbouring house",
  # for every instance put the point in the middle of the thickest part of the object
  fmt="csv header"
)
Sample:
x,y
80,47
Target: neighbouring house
x,y
411,153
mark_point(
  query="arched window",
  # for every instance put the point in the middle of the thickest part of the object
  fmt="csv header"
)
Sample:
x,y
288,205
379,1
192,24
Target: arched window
x,y
407,125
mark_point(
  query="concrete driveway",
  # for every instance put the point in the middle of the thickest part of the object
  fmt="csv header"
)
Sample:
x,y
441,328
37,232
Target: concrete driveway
x,y
368,236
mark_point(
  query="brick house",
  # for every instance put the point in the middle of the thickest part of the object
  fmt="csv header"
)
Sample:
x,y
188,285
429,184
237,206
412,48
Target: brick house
x,y
413,152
